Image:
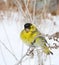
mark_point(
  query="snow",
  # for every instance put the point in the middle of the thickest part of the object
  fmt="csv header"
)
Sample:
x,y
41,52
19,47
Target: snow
x,y
9,34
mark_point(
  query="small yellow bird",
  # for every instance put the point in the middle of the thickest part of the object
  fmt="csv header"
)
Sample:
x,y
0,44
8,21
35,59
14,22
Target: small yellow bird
x,y
31,36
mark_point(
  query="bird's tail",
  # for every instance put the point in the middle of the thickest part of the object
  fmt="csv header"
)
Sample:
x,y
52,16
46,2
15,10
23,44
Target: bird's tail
x,y
47,51
51,53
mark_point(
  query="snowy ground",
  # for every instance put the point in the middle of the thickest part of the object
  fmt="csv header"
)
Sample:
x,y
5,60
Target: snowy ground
x,y
10,27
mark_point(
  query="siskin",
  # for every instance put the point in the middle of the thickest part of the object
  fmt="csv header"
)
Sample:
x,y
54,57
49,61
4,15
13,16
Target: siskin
x,y
31,36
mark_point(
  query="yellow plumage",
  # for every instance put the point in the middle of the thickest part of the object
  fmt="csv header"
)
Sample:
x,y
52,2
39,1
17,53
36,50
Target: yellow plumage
x,y
29,33
28,37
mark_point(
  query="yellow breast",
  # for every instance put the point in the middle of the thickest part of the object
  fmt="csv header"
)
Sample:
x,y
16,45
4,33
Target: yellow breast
x,y
28,37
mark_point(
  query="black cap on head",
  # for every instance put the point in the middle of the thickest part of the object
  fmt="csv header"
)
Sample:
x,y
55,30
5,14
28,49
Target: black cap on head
x,y
27,25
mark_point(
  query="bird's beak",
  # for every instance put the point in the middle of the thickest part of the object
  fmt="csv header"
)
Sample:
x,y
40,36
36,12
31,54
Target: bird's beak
x,y
27,30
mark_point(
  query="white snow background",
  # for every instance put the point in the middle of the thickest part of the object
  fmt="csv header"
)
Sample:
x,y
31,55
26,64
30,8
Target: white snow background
x,y
10,27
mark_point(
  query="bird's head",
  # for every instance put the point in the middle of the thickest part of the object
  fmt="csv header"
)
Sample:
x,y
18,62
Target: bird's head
x,y
29,27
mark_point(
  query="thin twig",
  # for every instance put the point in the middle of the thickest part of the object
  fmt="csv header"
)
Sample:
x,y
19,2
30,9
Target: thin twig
x,y
28,53
3,56
34,9
26,5
7,37
54,46
19,62
8,50
20,9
